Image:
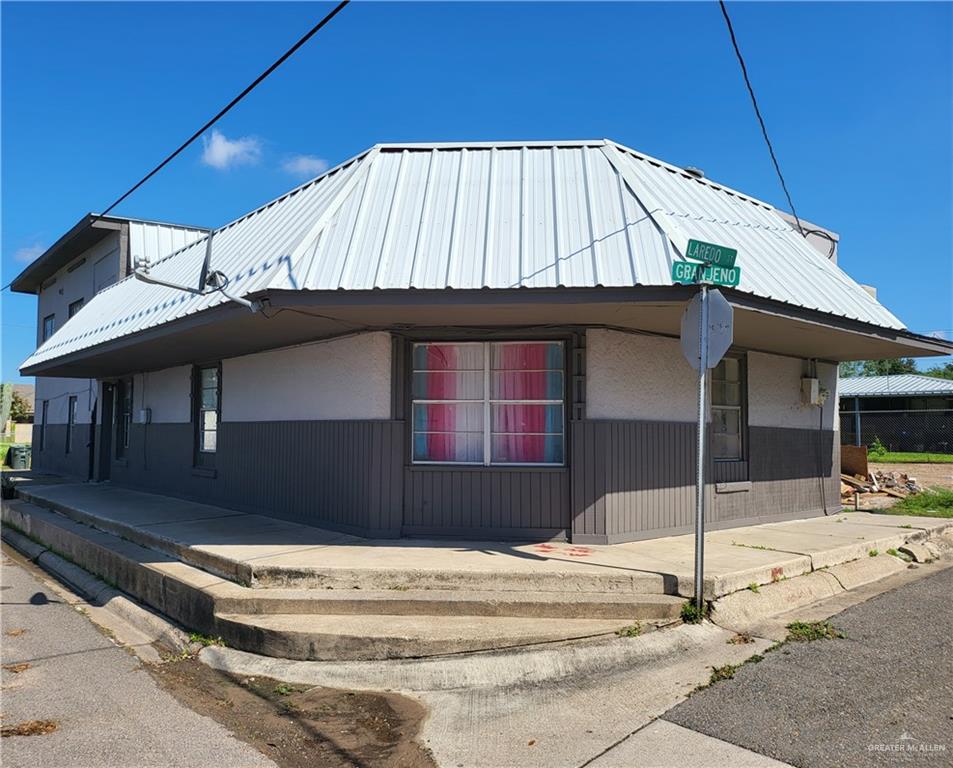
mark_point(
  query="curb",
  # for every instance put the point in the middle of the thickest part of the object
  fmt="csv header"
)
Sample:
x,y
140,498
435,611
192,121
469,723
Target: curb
x,y
97,592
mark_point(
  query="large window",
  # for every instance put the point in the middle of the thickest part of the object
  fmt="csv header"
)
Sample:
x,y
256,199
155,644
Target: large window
x,y
488,403
727,409
123,416
49,326
207,382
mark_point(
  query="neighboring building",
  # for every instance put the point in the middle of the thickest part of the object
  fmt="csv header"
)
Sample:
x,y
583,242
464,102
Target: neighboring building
x,y
93,255
478,340
906,412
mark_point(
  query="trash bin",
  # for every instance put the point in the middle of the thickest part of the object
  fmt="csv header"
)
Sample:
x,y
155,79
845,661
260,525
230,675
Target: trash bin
x,y
19,456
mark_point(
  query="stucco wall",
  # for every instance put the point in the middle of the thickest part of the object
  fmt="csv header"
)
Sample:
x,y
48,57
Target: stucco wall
x,y
57,392
166,392
774,393
637,377
646,378
348,378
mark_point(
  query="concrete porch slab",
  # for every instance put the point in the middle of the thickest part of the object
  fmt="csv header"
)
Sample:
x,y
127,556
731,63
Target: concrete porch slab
x,y
268,552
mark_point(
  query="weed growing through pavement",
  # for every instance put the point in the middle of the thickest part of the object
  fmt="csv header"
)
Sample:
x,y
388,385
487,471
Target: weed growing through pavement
x,y
742,638
283,689
632,630
691,614
29,728
873,553
722,673
807,631
753,586
206,640
902,555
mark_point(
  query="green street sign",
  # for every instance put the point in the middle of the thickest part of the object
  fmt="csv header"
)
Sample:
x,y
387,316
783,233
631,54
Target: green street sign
x,y
687,273
710,253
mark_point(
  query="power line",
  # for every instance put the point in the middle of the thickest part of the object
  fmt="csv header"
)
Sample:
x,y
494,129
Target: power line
x,y
281,60
757,111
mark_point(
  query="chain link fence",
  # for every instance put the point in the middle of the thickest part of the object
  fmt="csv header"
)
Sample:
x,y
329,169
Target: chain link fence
x,y
929,431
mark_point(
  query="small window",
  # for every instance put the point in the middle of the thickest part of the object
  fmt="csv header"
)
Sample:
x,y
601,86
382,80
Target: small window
x,y
727,409
123,416
44,415
49,326
207,386
75,307
488,403
70,422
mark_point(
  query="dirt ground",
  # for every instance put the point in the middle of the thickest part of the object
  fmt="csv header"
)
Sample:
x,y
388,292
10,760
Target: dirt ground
x,y
927,475
298,727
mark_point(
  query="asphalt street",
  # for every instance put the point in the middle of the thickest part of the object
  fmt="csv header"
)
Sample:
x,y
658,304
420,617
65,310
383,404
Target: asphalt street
x,y
108,712
882,696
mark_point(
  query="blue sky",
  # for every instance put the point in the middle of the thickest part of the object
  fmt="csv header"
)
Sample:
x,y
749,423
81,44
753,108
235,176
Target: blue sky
x,y
858,99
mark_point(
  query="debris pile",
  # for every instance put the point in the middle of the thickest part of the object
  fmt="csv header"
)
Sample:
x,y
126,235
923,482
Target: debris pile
x,y
896,484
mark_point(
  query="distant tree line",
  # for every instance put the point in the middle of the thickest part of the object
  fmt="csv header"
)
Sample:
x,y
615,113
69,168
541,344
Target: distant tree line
x,y
891,367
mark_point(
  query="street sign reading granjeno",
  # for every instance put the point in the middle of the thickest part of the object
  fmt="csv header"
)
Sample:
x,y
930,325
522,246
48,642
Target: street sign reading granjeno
x,y
719,255
689,273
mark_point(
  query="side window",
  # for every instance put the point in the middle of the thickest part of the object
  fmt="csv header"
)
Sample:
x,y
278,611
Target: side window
x,y
70,422
49,326
75,307
728,413
44,414
123,416
206,398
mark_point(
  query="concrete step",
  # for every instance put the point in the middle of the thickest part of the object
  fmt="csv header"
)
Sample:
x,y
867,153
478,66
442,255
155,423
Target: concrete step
x,y
350,637
432,602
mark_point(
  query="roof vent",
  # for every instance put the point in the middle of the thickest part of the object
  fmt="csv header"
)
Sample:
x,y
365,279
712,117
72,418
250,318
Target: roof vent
x,y
698,173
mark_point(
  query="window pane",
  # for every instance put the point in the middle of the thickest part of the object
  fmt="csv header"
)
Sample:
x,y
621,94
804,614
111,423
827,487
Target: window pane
x,y
726,446
725,393
527,449
448,385
726,421
449,446
448,417
209,441
527,417
209,419
729,369
526,385
210,398
448,357
210,378
524,356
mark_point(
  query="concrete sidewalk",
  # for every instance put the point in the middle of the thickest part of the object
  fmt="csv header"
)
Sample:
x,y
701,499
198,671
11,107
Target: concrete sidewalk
x,y
264,551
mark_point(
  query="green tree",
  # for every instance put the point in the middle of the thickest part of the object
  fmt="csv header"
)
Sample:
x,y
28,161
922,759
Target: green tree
x,y
940,371
888,367
19,409
849,369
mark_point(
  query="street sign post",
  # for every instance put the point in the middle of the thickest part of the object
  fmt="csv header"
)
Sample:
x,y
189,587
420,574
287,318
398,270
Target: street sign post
x,y
690,273
709,253
706,334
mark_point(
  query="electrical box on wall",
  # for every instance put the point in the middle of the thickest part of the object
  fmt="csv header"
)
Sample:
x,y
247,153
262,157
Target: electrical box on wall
x,y
811,392
145,415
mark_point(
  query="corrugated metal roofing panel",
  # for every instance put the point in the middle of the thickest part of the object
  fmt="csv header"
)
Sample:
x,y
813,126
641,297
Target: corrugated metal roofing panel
x,y
506,215
152,241
897,385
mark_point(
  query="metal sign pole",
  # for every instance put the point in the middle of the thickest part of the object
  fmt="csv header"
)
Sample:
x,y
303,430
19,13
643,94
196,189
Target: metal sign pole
x,y
700,470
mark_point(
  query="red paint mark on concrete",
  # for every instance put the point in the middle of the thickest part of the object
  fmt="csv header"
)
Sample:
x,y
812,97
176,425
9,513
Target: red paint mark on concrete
x,y
579,551
777,573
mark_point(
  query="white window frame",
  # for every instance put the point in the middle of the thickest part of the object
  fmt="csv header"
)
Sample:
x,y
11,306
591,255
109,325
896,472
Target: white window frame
x,y
488,404
740,408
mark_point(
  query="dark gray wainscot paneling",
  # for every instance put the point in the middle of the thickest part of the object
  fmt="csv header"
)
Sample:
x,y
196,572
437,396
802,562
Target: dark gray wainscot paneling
x,y
636,479
54,458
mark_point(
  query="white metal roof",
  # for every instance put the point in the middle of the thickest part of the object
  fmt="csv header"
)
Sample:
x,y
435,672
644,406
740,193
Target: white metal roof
x,y
897,385
481,215
151,240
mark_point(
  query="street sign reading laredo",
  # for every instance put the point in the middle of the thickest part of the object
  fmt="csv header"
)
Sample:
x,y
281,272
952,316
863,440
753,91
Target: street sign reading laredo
x,y
719,255
690,273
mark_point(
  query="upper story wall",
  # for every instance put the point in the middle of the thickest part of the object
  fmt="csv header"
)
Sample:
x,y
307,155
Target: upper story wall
x,y
646,378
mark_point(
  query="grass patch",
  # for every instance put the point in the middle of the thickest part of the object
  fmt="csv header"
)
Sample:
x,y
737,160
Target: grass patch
x,y
753,586
935,502
808,631
206,640
873,552
632,630
742,638
722,673
691,614
903,457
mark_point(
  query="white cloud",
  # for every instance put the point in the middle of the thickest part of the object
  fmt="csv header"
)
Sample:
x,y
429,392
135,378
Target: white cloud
x,y
305,165
224,153
28,253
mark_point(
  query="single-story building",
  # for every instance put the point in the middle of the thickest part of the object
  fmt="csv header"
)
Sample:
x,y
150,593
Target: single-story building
x,y
477,340
905,412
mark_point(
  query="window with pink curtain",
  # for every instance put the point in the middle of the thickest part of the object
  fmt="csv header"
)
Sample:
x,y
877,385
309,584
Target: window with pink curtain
x,y
488,402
